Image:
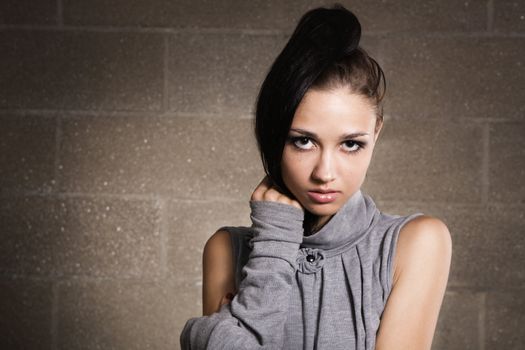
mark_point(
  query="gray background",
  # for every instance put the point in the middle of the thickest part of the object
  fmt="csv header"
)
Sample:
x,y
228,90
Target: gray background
x,y
126,141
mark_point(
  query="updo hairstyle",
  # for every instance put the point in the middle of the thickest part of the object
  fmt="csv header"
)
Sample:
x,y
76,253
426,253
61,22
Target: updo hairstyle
x,y
323,53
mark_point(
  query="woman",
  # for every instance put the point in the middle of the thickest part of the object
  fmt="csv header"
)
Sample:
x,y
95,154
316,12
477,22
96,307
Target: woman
x,y
321,267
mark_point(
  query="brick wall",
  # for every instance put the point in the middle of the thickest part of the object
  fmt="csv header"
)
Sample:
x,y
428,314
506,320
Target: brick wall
x,y
125,142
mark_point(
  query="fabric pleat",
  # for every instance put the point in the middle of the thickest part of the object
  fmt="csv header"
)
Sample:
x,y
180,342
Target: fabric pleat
x,y
354,276
343,278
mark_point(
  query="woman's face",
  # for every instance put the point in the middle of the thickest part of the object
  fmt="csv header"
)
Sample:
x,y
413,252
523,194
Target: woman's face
x,y
328,150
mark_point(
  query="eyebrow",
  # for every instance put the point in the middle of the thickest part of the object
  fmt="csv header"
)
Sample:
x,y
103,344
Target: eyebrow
x,y
343,137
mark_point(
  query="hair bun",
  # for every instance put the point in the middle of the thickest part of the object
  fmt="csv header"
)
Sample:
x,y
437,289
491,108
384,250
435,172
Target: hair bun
x,y
335,32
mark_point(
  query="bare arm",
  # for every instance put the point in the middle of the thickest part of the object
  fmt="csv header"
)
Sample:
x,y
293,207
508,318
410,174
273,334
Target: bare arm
x,y
218,279
421,266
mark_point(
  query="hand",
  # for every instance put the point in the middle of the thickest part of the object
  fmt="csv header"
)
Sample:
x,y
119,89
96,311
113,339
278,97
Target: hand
x,y
265,191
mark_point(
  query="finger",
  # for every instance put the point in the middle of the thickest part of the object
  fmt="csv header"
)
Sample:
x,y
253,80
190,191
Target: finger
x,y
259,191
267,191
297,204
285,199
271,194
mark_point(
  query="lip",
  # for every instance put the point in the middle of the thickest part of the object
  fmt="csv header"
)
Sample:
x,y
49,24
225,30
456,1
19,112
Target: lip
x,y
323,196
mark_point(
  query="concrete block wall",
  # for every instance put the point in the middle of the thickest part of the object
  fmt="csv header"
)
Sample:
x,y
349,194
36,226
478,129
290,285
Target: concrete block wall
x,y
125,142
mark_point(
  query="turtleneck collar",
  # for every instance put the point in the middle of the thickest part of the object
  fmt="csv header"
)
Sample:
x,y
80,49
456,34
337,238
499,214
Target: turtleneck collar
x,y
347,226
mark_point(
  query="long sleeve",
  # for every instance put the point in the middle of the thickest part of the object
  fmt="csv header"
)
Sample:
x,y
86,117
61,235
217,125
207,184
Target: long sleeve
x,y
255,317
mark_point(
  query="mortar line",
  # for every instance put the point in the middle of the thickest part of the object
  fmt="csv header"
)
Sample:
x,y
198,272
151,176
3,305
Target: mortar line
x,y
163,229
73,195
482,320
451,287
452,119
58,141
146,30
254,32
60,14
75,114
165,97
490,16
54,316
66,279
380,54
485,165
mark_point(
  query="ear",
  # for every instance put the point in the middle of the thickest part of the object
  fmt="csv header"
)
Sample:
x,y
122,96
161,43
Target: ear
x,y
378,128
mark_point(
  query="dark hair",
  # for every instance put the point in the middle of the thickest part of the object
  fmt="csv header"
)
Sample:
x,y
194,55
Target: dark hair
x,y
322,53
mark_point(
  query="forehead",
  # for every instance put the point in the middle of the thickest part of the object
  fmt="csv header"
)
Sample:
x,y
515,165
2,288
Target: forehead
x,y
334,111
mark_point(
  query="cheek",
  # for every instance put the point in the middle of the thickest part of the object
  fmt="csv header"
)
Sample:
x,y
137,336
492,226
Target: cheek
x,y
295,167
354,168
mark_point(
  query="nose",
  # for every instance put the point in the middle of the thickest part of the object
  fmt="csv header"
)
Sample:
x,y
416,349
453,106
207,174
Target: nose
x,y
324,168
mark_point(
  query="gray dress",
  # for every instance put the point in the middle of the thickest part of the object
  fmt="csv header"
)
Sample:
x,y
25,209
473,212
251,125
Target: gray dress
x,y
323,291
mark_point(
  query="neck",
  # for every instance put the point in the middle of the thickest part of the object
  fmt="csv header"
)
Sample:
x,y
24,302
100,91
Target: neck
x,y
313,223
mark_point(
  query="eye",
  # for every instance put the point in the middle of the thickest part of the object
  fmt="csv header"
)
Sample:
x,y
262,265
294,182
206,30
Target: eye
x,y
302,142
351,146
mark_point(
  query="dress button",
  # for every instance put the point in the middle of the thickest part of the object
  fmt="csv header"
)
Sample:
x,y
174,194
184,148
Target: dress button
x,y
310,258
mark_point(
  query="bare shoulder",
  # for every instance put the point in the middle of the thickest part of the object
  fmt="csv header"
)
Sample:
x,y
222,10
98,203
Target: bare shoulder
x,y
422,264
218,277
218,244
422,238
